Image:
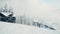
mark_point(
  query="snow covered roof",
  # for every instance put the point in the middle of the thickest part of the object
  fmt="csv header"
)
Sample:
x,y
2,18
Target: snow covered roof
x,y
6,14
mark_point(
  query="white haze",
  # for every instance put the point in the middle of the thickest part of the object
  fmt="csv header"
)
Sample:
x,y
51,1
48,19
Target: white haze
x,y
36,9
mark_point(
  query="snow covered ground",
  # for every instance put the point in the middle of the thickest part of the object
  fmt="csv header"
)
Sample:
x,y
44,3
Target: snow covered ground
x,y
13,28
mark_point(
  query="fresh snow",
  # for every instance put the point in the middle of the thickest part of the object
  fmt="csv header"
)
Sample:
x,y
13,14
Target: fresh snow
x,y
13,28
6,14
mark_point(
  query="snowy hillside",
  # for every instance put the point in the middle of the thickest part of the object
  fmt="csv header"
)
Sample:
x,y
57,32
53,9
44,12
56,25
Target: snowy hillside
x,y
9,28
34,9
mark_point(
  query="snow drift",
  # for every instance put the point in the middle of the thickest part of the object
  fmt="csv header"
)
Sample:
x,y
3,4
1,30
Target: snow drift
x,y
9,28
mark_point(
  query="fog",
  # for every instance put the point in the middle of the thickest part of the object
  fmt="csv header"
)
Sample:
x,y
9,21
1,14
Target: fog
x,y
35,9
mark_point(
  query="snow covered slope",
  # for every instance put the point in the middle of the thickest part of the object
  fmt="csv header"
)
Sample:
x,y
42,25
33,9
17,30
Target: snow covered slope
x,y
9,28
